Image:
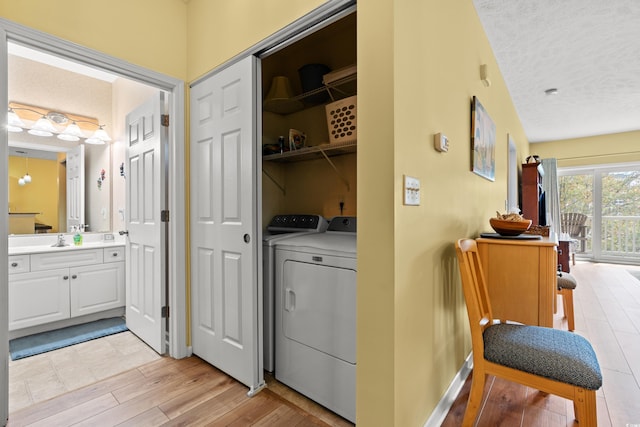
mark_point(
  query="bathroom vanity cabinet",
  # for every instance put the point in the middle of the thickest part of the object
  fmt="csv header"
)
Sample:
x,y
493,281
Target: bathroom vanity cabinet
x,y
57,285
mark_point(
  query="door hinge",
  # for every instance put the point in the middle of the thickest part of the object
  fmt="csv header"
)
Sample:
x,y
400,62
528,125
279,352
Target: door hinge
x,y
164,216
164,120
165,312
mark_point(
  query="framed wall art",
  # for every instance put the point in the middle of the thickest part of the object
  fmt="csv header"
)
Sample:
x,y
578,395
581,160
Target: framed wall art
x,y
483,142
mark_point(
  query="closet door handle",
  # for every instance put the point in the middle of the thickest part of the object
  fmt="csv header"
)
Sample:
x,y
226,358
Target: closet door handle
x,y
75,276
65,277
14,264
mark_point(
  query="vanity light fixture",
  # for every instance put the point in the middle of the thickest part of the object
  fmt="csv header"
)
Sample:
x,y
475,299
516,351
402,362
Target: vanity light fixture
x,y
26,179
15,123
67,127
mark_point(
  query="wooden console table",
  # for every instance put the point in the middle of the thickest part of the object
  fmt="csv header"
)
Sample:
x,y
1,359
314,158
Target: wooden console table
x,y
521,278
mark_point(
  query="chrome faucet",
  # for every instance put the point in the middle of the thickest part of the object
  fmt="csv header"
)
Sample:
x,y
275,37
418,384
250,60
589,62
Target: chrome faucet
x,y
61,241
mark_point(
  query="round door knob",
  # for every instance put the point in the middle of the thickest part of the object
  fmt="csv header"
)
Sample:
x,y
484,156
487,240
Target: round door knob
x,y
247,238
74,276
65,277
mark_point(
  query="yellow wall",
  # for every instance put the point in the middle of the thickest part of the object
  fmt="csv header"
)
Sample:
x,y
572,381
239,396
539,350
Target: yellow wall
x,y
418,67
41,195
613,148
149,33
220,29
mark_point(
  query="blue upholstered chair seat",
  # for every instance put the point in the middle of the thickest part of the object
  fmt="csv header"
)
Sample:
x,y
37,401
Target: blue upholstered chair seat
x,y
566,281
547,352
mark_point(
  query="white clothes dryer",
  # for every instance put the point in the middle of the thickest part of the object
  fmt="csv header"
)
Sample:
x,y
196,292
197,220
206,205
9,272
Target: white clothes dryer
x,y
316,315
279,229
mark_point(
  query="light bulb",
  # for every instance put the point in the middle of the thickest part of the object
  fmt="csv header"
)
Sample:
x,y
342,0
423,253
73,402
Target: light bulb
x,y
27,178
21,182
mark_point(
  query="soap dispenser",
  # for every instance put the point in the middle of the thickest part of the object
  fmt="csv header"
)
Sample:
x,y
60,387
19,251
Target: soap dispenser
x,y
77,237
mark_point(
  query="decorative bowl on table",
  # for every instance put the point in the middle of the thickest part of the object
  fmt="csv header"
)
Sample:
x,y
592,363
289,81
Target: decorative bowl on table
x,y
509,227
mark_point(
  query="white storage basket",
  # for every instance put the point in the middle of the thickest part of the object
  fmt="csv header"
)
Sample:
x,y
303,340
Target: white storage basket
x,y
342,120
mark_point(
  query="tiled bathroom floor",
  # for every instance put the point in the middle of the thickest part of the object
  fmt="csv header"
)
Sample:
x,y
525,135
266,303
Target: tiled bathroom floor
x,y
46,375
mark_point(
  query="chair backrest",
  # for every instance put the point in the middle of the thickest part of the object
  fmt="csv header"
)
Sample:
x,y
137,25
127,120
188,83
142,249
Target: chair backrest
x,y
475,291
573,223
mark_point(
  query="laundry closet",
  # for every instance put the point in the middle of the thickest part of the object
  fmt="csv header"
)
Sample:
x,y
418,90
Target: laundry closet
x,y
309,153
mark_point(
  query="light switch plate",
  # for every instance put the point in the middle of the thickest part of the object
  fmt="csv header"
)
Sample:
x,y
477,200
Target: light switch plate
x,y
411,191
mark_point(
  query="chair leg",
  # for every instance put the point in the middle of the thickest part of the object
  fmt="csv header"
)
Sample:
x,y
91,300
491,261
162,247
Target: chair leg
x,y
567,304
584,406
475,398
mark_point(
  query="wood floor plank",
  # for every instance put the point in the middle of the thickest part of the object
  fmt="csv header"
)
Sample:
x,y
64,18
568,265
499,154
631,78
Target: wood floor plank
x,y
504,404
195,395
159,380
250,411
210,410
78,413
151,418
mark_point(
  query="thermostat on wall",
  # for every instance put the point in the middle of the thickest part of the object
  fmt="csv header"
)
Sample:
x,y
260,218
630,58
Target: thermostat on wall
x,y
441,142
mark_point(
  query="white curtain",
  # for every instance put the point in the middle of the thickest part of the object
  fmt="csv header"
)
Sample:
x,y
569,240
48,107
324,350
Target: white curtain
x,y
552,194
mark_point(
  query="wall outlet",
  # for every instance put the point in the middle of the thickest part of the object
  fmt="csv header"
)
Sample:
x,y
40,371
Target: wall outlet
x,y
107,237
411,191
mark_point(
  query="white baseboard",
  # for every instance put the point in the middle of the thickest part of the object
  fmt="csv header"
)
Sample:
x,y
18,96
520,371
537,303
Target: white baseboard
x,y
442,408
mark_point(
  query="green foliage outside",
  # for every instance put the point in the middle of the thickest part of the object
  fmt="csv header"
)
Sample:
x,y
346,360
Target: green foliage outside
x,y
620,198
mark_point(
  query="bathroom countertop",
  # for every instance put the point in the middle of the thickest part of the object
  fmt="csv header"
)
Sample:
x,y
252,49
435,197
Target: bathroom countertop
x,y
21,250
34,244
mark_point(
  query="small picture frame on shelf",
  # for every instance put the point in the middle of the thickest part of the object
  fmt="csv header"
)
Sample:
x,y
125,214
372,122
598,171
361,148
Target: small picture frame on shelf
x,y
297,139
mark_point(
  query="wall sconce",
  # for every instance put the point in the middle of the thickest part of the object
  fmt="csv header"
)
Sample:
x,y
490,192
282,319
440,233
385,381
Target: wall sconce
x,y
67,127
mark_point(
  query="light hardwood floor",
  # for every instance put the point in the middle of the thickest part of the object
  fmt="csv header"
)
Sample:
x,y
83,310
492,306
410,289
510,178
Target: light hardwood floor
x,y
118,380
607,313
191,392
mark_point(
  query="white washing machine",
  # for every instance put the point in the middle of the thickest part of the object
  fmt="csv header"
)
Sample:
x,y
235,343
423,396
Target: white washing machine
x,y
280,228
316,315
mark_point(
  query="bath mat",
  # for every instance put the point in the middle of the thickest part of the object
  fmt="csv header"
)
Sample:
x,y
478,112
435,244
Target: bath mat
x,y
22,347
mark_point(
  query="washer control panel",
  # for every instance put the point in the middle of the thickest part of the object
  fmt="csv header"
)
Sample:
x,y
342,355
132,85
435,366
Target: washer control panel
x,y
297,222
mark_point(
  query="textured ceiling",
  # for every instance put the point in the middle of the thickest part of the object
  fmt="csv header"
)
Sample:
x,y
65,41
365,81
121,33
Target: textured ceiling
x,y
588,49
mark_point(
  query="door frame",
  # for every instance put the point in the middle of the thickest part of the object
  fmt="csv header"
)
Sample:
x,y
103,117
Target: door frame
x,y
12,32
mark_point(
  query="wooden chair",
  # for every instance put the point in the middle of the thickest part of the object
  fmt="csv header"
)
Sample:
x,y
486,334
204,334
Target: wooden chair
x,y
550,360
575,224
566,284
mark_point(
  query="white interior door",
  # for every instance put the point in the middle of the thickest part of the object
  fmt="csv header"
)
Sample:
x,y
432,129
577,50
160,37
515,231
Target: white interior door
x,y
75,187
145,283
225,287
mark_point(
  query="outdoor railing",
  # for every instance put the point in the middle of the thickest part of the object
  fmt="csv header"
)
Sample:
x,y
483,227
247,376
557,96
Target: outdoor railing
x,y
620,236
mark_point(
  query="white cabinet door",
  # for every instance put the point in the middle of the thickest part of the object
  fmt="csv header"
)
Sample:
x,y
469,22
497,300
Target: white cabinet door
x,y
39,297
96,288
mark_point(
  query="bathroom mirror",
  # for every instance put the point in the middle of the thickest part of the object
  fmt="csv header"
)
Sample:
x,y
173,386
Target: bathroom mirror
x,y
40,205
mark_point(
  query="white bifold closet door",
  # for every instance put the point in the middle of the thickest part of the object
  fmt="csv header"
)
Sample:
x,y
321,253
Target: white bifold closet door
x,y
225,287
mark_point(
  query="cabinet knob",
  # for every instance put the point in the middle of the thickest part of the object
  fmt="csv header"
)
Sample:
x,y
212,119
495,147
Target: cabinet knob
x,y
114,254
65,277
74,276
14,264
